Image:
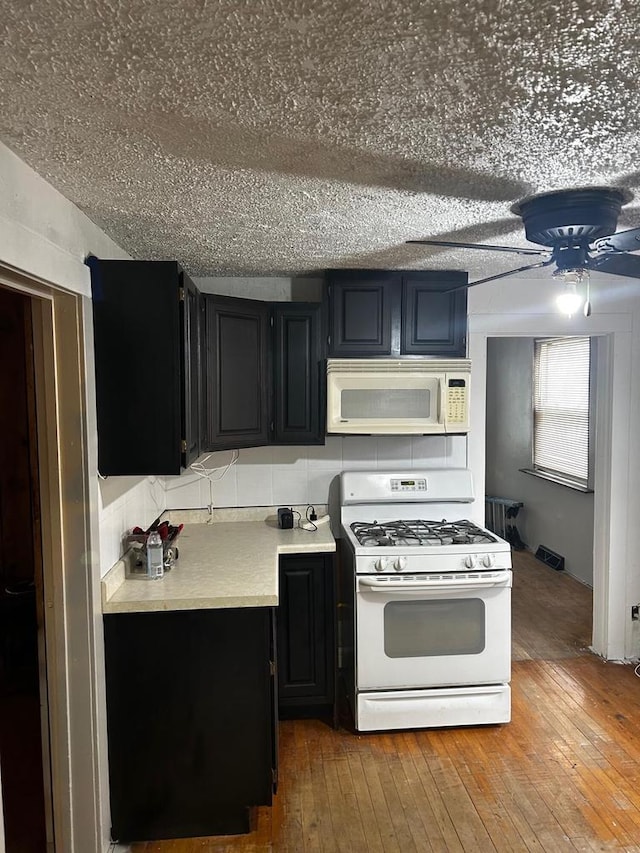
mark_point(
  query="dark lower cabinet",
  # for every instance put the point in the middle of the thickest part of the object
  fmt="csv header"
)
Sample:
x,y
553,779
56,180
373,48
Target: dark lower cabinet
x,y
191,721
306,636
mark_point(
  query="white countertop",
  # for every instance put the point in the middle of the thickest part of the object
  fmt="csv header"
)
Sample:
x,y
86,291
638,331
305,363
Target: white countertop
x,y
220,564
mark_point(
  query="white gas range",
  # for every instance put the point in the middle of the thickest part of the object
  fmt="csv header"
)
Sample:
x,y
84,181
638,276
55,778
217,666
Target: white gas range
x,y
431,602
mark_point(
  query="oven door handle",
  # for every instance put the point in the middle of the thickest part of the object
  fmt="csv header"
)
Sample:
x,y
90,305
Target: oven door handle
x,y
375,584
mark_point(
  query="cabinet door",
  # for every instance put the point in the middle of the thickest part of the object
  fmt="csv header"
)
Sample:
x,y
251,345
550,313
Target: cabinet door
x,y
305,620
190,721
238,376
299,380
192,377
434,321
139,367
364,313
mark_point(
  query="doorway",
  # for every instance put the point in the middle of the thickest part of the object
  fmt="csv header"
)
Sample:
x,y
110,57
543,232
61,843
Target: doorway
x,y
24,727
554,517
66,522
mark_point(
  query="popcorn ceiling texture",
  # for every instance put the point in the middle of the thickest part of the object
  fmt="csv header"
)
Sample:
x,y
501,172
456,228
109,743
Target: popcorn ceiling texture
x,y
287,136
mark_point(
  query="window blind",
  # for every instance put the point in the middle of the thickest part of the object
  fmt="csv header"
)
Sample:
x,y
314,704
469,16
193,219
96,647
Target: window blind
x,y
561,407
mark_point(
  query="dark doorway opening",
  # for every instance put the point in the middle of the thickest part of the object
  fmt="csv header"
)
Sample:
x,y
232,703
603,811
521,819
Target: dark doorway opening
x,y
22,678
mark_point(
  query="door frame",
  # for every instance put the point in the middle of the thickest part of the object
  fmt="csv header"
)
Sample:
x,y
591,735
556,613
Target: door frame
x,y
72,623
611,638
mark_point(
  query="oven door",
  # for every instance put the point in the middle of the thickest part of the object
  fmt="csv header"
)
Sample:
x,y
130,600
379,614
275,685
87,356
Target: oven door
x,y
415,632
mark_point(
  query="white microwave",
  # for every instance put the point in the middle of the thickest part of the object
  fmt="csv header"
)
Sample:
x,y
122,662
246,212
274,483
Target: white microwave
x,y
396,397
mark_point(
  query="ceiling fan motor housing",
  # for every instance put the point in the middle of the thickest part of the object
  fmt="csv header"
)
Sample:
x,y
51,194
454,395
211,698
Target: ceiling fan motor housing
x,y
571,218
570,257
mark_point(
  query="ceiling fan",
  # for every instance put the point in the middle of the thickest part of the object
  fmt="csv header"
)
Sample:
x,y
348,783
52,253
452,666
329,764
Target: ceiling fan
x,y
578,227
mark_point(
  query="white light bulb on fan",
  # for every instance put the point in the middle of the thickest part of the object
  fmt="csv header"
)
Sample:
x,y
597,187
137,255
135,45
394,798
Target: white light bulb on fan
x,y
569,301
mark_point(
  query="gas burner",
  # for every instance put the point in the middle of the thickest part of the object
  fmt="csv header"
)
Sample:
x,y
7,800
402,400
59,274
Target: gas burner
x,y
418,532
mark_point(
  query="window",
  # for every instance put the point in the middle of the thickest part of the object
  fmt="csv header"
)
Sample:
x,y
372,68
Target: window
x,y
561,404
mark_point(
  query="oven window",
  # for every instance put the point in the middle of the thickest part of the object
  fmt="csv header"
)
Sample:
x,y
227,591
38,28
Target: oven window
x,y
430,628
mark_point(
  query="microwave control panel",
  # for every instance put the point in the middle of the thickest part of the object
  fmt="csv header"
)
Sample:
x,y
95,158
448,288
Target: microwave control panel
x,y
456,401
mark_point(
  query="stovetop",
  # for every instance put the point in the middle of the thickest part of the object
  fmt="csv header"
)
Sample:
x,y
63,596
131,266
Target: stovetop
x,y
416,522
419,546
411,533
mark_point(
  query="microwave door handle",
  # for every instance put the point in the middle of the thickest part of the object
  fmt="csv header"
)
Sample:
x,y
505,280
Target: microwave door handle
x,y
441,400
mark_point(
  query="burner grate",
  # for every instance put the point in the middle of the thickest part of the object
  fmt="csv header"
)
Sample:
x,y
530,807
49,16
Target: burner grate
x,y
419,532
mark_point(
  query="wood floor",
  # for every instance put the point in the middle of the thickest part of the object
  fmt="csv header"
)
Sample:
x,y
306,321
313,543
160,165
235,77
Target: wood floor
x,y
564,775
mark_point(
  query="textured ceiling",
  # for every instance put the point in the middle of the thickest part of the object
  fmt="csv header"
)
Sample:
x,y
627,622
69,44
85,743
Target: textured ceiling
x,y
284,136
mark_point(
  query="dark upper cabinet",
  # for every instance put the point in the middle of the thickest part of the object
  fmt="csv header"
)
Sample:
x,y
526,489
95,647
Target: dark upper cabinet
x,y
434,321
237,372
364,313
395,313
146,341
298,374
194,332
306,633
264,373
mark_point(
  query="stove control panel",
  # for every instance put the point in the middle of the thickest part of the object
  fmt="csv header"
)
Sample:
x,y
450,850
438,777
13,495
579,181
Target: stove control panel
x,y
409,485
445,562
486,561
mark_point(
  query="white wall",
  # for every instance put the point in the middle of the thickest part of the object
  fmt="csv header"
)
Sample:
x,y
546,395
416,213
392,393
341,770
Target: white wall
x,y
553,515
267,288
526,308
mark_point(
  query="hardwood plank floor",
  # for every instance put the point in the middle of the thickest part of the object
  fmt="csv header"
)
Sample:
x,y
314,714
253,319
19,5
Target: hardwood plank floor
x,y
564,775
551,612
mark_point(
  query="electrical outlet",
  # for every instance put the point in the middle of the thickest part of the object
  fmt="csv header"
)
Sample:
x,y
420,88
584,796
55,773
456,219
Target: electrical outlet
x,y
635,612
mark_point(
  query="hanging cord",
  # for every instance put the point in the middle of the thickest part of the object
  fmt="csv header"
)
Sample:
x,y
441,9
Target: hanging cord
x,y
160,505
208,473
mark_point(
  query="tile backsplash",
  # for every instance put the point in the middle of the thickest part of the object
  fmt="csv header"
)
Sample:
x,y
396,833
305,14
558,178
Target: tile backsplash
x,y
124,503
272,476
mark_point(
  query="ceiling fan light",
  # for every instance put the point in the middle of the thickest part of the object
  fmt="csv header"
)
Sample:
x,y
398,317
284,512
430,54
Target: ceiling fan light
x,y
571,275
569,301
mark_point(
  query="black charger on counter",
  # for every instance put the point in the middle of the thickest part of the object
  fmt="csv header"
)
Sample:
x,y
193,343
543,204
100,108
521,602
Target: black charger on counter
x,y
285,518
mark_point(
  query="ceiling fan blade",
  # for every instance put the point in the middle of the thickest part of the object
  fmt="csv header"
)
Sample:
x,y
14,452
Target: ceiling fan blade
x,y
509,249
617,264
629,179
503,275
623,241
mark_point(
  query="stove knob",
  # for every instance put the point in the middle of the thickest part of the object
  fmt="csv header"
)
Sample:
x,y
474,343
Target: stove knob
x,y
400,564
488,560
380,564
470,561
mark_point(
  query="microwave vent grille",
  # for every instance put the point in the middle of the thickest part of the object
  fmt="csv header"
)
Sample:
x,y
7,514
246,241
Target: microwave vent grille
x,y
389,365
